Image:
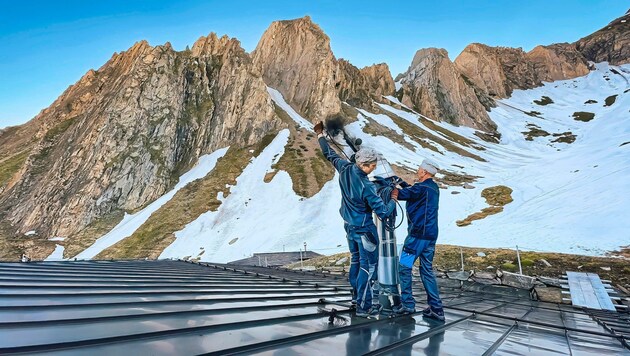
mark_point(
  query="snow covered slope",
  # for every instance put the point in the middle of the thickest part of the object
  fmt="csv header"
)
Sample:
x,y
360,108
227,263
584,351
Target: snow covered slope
x,y
568,197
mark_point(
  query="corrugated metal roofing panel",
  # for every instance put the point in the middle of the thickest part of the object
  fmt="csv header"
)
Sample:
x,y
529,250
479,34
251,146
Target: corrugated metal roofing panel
x,y
174,307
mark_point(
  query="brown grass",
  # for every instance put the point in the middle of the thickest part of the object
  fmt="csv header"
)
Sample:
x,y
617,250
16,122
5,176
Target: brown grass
x,y
496,197
302,160
583,116
83,239
11,165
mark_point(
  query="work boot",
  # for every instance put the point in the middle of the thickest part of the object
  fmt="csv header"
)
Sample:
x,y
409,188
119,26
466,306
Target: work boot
x,y
403,310
373,312
437,314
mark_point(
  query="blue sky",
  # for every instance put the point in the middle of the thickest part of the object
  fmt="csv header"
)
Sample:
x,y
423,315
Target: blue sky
x,y
48,45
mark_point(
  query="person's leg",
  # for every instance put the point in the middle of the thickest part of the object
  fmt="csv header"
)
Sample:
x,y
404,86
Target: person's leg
x,y
353,247
373,268
404,271
427,250
364,295
354,267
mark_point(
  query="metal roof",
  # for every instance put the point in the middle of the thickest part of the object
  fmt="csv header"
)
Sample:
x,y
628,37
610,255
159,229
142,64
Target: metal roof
x,y
175,307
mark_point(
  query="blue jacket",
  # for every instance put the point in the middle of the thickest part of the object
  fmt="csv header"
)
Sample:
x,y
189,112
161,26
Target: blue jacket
x,y
358,194
422,209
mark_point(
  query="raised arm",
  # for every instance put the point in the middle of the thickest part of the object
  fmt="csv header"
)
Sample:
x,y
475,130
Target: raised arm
x,y
331,155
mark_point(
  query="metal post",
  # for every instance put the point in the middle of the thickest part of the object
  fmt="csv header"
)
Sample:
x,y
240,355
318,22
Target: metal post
x,y
518,257
304,246
301,262
461,253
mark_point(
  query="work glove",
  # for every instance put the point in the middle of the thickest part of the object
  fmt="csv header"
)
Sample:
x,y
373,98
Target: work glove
x,y
394,194
319,128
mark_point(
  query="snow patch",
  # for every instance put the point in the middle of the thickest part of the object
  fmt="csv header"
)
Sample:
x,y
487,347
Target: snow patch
x,y
277,98
57,254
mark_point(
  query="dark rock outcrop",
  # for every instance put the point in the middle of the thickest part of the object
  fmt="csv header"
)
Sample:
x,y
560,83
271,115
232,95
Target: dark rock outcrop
x,y
610,44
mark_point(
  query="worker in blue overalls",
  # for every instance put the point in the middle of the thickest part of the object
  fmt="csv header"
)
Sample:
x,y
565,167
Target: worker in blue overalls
x,y
359,199
422,211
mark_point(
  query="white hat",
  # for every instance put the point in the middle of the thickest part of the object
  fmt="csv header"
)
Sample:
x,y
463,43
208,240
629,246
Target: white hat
x,y
366,155
429,166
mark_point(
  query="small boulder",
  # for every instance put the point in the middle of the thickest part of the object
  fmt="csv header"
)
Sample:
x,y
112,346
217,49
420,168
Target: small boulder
x,y
548,281
549,294
605,268
342,261
459,275
487,280
485,275
517,280
481,254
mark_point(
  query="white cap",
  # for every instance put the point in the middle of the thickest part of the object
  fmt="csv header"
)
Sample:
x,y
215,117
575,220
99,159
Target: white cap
x,y
366,155
429,166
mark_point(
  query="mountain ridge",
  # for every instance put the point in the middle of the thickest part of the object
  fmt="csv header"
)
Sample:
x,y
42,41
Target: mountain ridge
x,y
118,138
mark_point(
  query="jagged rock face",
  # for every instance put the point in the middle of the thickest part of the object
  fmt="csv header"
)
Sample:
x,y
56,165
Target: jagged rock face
x,y
497,70
557,62
122,135
380,79
437,90
353,85
482,65
359,87
610,44
295,58
500,70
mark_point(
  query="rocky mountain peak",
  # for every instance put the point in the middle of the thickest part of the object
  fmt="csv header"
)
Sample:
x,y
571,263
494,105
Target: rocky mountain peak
x,y
119,137
610,44
558,61
214,45
435,88
380,79
294,57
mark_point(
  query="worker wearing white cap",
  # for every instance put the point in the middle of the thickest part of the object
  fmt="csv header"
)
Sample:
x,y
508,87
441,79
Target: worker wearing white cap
x,y
422,211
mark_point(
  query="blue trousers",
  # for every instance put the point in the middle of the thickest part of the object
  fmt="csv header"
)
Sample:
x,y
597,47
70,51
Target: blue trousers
x,y
424,250
363,266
